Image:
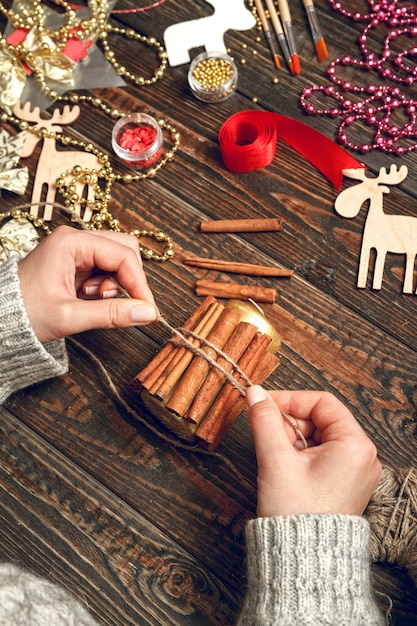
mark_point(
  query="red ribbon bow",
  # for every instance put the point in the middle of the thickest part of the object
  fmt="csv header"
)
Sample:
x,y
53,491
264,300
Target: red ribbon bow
x,y
248,141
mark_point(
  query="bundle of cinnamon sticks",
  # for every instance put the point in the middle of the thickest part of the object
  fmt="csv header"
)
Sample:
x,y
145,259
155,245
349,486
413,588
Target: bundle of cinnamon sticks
x,y
191,395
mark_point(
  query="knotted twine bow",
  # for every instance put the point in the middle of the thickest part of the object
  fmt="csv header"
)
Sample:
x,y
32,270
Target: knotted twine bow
x,y
248,141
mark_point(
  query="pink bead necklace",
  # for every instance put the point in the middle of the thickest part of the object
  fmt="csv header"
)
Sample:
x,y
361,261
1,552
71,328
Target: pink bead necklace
x,y
374,106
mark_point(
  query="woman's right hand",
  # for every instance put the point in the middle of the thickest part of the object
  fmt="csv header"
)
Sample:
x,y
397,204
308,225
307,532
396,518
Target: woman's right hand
x,y
336,473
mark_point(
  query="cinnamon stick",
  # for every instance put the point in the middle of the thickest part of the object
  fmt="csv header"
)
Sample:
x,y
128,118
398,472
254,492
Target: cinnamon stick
x,y
235,290
162,388
229,403
235,404
234,348
241,226
162,355
237,268
247,363
192,378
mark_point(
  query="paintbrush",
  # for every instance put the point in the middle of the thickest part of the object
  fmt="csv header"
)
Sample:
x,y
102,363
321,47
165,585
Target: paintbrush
x,y
276,22
318,39
267,31
289,34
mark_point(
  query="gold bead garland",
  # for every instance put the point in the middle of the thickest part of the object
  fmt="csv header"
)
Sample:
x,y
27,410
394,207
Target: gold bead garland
x,y
39,223
95,26
18,214
102,197
129,33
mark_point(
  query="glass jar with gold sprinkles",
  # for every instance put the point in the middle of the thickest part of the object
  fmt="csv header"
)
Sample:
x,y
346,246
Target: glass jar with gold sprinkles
x,y
212,76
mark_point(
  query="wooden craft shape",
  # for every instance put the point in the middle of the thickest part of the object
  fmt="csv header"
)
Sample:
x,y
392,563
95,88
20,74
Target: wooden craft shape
x,y
53,163
383,233
207,32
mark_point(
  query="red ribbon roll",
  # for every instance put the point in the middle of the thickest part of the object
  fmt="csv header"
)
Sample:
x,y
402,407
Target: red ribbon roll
x,y
248,142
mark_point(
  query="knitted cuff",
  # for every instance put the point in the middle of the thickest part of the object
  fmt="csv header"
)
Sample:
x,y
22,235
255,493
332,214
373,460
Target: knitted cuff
x,y
28,599
23,359
309,569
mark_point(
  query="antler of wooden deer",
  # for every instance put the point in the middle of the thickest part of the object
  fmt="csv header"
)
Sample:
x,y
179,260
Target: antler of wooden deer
x,y
52,162
66,116
356,174
25,112
28,114
393,177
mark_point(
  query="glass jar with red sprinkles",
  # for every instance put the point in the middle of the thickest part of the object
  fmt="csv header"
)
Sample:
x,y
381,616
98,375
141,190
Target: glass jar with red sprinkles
x,y
138,140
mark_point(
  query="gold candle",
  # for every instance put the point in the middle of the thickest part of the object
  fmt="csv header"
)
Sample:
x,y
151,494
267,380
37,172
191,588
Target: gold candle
x,y
253,314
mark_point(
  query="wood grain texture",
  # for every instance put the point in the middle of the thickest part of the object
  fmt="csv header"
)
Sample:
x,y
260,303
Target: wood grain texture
x,y
95,493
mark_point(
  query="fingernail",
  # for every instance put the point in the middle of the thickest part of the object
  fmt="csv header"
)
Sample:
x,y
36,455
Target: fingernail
x,y
255,394
143,313
299,445
91,290
111,293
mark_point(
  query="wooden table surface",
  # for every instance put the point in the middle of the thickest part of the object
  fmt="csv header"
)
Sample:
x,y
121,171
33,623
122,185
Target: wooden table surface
x,y
95,493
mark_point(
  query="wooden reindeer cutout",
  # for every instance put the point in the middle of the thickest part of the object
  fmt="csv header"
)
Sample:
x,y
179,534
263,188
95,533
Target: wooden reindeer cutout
x,y
53,163
207,32
383,233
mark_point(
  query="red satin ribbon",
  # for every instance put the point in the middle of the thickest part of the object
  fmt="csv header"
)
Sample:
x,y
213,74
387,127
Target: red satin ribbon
x,y
248,141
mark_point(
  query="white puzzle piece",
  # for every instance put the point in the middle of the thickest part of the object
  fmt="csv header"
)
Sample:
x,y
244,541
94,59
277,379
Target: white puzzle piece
x,y
207,32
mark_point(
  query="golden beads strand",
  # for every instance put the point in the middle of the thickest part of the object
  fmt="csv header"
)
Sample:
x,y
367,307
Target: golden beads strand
x,y
95,26
129,33
65,184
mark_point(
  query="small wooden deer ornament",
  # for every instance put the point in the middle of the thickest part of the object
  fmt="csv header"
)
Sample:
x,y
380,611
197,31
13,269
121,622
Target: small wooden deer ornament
x,y
52,163
383,233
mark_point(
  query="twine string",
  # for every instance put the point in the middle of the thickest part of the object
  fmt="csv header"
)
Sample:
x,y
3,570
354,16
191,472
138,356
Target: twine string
x,y
148,7
392,515
181,340
179,333
392,511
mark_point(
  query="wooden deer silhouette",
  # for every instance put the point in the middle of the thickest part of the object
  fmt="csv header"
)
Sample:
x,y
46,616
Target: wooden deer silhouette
x,y
52,163
207,32
383,233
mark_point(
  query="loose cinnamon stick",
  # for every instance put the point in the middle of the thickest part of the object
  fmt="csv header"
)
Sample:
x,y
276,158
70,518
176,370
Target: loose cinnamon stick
x,y
162,388
234,348
191,380
162,355
237,268
241,226
235,290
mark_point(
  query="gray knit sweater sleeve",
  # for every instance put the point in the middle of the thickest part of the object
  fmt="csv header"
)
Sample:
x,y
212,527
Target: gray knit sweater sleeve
x,y
309,570
23,359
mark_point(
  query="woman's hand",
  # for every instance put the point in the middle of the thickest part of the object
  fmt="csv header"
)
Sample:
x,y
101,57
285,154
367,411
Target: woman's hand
x,y
337,473
71,282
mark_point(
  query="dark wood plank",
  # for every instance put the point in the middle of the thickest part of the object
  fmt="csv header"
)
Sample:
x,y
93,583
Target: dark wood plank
x,y
95,482
63,524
